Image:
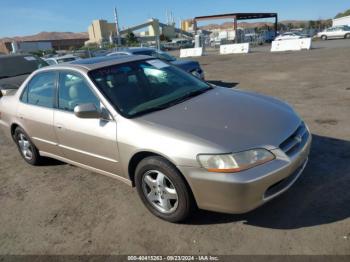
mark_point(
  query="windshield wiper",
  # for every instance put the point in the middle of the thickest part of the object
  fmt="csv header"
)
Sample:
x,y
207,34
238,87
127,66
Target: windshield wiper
x,y
150,110
173,102
188,96
1,77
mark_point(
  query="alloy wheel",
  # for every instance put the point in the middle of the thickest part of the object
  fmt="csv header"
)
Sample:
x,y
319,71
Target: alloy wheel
x,y
160,191
25,146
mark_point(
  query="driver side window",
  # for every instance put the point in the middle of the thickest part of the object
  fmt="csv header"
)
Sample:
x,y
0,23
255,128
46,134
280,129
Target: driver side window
x,y
74,90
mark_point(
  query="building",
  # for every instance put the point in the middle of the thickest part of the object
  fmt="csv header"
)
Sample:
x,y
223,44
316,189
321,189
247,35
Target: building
x,y
187,25
26,47
43,41
42,45
101,31
5,47
153,29
345,20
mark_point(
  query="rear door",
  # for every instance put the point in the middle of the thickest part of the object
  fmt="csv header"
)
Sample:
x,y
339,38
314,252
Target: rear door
x,y
91,142
35,111
331,32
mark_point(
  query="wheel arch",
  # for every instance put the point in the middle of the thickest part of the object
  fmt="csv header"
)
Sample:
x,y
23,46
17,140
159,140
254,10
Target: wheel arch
x,y
139,156
13,128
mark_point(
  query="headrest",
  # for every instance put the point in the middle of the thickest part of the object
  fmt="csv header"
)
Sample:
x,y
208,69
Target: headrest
x,y
119,79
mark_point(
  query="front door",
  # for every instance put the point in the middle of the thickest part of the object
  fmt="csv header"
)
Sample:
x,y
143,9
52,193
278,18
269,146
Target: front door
x,y
338,33
91,142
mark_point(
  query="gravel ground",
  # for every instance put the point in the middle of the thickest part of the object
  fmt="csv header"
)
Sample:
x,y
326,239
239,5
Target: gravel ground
x,y
61,209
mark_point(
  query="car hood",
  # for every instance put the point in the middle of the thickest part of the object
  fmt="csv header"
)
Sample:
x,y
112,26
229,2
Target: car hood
x,y
12,82
231,119
186,65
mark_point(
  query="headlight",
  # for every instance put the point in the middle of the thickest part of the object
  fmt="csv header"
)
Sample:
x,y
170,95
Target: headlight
x,y
196,73
230,163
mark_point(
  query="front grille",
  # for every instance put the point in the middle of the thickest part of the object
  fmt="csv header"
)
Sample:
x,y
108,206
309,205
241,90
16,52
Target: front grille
x,y
282,184
296,141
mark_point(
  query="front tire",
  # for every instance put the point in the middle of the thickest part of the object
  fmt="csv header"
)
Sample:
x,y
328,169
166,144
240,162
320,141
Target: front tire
x,y
347,36
26,147
163,190
324,37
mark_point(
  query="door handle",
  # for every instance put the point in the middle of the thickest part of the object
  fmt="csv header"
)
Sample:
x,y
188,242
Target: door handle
x,y
59,126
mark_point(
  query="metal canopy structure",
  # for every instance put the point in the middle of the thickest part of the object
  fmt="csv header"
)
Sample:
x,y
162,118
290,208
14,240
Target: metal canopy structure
x,y
236,17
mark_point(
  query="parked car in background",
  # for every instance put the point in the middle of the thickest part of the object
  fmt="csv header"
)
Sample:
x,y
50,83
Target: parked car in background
x,y
335,32
99,53
82,53
181,141
190,66
61,59
289,36
176,44
14,69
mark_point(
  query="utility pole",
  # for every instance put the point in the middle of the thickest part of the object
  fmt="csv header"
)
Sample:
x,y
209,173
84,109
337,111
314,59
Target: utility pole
x,y
167,16
117,27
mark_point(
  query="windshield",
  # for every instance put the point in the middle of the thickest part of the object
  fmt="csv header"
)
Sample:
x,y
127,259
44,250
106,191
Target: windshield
x,y
11,66
165,56
141,87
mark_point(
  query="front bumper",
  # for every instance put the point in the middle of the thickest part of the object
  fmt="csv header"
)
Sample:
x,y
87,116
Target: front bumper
x,y
244,191
6,129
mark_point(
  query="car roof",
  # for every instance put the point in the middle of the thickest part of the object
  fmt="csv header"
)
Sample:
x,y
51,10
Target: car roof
x,y
136,49
89,64
65,56
16,55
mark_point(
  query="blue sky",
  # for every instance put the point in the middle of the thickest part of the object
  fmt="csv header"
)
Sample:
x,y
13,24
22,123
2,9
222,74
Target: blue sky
x,y
24,17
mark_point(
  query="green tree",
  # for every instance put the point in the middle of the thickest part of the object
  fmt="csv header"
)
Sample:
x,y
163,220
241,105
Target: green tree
x,y
131,39
281,27
346,13
290,26
312,24
163,38
301,25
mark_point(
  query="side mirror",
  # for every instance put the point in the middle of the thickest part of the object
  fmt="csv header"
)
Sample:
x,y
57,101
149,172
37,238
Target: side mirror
x,y
87,111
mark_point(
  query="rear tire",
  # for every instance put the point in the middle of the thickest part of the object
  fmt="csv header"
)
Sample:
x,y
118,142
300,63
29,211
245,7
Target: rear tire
x,y
26,147
347,36
163,190
324,37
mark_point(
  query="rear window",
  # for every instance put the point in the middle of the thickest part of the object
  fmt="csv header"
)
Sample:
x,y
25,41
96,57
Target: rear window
x,y
65,60
11,66
40,90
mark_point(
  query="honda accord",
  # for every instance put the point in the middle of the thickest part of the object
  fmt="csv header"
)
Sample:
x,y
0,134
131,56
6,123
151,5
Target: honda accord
x,y
183,143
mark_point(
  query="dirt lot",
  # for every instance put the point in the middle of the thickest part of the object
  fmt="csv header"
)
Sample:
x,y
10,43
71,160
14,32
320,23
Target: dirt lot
x,y
61,209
